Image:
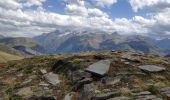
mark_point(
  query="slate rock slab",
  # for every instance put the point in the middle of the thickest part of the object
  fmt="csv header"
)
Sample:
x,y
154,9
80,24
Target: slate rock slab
x,y
151,68
99,68
52,78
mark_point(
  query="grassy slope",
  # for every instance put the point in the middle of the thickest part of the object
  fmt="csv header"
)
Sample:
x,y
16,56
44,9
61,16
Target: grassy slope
x,y
4,57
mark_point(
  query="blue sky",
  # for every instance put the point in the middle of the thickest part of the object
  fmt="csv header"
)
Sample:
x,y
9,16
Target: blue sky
x,y
122,9
55,6
35,17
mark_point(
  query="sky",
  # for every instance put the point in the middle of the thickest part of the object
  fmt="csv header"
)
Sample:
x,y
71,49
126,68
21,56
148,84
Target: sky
x,y
35,17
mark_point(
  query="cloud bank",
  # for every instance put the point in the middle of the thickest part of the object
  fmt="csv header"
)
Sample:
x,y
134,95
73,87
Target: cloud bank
x,y
17,18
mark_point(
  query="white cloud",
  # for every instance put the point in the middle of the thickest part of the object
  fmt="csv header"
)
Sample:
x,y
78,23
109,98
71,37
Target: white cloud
x,y
152,4
132,26
10,4
163,17
17,20
76,10
97,12
79,8
104,3
17,4
30,3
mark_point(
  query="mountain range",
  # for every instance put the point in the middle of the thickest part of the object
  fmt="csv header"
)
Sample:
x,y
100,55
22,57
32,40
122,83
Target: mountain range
x,y
74,41
80,41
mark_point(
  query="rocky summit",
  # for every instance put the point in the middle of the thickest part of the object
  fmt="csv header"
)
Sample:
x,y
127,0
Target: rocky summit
x,y
106,75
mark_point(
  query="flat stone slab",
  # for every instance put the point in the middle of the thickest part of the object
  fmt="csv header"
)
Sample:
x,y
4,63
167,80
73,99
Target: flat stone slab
x,y
52,78
151,68
99,68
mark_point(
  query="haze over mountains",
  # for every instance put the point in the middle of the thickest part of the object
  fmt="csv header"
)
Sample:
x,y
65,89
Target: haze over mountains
x,y
76,41
72,41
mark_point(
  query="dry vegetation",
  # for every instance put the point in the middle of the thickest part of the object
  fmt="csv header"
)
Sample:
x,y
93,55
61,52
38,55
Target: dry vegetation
x,y
14,73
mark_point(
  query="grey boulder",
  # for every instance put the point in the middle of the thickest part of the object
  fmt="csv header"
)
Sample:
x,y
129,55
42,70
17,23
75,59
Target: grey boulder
x,y
99,68
52,78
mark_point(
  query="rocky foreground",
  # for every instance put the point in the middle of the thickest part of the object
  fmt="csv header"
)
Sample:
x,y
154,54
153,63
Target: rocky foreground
x,y
113,75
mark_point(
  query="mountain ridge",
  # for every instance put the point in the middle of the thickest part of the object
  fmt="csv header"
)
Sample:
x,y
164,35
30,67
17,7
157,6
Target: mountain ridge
x,y
72,41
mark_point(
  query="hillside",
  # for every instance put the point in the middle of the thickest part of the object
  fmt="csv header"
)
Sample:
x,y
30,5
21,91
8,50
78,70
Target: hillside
x,y
5,57
9,50
28,46
109,75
